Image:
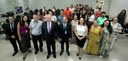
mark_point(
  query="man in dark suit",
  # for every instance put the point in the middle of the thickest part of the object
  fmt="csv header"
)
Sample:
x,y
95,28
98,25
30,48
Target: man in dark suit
x,y
49,32
11,30
65,35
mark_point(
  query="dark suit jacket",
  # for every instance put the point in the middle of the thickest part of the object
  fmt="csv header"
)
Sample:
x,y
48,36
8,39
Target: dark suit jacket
x,y
67,30
9,32
53,32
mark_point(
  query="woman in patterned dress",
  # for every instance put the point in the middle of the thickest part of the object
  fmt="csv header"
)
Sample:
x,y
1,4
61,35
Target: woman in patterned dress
x,y
106,39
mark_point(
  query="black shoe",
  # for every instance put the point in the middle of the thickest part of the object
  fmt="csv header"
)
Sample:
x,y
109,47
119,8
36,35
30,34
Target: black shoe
x,y
79,58
54,56
127,35
24,57
68,53
36,52
14,53
77,54
48,56
41,50
61,53
29,51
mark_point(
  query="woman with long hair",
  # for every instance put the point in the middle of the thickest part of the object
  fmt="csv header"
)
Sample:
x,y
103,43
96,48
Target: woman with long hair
x,y
81,31
23,34
122,18
106,39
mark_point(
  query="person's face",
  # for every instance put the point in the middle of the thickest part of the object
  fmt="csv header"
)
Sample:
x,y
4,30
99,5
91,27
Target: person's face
x,y
106,23
50,13
103,14
67,8
99,9
49,18
95,23
45,12
84,11
81,21
65,20
11,19
115,20
25,18
123,11
61,13
75,17
35,17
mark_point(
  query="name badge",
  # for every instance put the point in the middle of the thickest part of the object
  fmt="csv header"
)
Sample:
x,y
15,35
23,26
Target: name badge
x,y
65,32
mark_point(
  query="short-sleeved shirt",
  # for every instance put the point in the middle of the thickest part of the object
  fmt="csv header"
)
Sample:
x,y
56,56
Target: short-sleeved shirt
x,y
101,20
36,27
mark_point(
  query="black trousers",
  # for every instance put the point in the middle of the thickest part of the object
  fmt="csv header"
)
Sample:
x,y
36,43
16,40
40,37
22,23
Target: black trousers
x,y
65,40
35,39
19,43
51,44
13,42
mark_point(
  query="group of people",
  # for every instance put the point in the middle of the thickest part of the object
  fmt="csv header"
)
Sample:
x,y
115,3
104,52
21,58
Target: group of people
x,y
74,24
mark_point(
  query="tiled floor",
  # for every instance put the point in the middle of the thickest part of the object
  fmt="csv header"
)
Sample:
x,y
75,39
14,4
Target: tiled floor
x,y
119,53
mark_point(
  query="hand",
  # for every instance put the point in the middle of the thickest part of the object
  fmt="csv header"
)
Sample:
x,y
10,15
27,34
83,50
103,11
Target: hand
x,y
31,37
87,37
60,39
13,37
98,41
109,41
69,39
19,38
124,23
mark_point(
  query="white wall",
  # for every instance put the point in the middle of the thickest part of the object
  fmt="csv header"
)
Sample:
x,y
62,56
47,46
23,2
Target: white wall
x,y
117,6
9,5
63,3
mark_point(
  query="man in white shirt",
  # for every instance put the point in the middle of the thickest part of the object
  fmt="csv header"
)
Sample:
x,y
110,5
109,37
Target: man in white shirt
x,y
36,33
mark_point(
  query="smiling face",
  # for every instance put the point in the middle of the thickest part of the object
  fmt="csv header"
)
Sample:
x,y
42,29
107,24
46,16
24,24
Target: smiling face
x,y
35,17
25,18
95,23
115,20
65,20
75,17
11,19
81,21
49,17
106,23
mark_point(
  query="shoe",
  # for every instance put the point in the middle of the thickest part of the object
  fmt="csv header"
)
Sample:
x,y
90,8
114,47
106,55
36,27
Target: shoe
x,y
14,53
24,57
41,50
29,51
36,52
48,56
68,53
100,57
127,35
77,54
79,58
61,53
54,56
